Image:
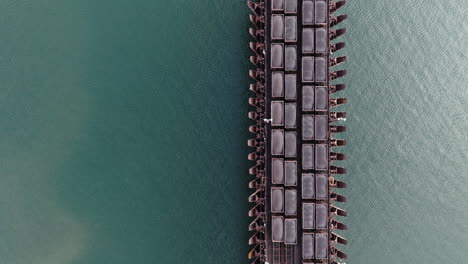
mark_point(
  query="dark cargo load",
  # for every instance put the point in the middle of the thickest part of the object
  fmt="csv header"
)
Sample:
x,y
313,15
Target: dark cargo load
x,y
277,55
321,127
277,27
321,213
307,157
290,58
307,127
290,29
290,115
321,11
308,242
321,40
277,142
290,173
321,68
321,246
308,98
277,200
321,184
277,226
277,116
308,40
308,186
290,86
290,202
277,84
291,6
321,157
308,215
277,5
290,143
307,69
290,231
308,12
321,98
277,171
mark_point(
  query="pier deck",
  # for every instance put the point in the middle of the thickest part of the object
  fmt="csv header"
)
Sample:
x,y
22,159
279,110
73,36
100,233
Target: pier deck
x,y
293,201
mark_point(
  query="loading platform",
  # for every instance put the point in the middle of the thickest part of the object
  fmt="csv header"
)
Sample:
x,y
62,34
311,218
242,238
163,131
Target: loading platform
x,y
294,212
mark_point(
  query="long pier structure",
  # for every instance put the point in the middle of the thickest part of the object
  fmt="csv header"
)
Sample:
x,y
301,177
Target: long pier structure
x,y
294,212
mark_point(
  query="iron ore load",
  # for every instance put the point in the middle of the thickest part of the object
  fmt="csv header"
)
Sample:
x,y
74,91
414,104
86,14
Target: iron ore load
x,y
294,211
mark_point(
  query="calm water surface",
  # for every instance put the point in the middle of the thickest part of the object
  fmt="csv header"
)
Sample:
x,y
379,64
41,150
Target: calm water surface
x,y
123,128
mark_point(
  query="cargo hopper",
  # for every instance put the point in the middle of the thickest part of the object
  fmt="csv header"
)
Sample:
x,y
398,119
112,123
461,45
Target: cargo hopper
x,y
294,206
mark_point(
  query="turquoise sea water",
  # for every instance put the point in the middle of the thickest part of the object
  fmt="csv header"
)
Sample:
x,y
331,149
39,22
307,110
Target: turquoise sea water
x,y
123,127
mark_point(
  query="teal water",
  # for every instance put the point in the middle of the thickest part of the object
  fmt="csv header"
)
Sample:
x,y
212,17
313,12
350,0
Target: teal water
x,y
123,128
